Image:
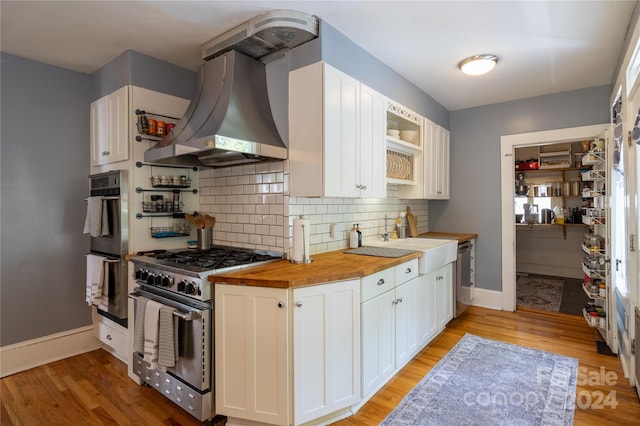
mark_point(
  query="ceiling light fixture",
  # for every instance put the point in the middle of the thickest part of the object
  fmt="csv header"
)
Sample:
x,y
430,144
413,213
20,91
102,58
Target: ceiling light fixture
x,y
478,64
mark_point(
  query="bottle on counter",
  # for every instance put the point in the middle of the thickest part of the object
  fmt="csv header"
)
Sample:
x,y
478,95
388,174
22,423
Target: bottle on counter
x,y
353,237
359,235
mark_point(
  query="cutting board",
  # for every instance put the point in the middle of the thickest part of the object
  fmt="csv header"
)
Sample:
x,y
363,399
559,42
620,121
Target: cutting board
x,y
413,223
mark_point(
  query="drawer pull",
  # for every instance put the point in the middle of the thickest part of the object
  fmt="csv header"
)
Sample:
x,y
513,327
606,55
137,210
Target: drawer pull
x,y
299,304
381,281
407,271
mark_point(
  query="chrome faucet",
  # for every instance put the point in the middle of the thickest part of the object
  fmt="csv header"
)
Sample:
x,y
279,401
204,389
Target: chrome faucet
x,y
385,235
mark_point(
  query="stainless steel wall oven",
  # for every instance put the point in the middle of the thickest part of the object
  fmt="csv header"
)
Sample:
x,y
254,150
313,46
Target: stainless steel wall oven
x,y
112,242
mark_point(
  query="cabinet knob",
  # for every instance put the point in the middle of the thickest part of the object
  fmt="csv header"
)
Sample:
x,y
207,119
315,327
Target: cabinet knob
x,y
299,304
109,337
400,300
280,305
381,281
407,271
364,186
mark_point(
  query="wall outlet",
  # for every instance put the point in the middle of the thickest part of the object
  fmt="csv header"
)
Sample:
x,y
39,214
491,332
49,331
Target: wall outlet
x,y
335,228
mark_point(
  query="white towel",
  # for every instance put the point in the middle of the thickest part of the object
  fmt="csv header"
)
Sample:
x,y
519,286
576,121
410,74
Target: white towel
x,y
138,330
93,221
97,221
151,322
95,278
167,337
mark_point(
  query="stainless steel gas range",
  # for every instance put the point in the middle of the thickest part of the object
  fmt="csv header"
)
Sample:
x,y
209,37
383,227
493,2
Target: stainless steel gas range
x,y
177,281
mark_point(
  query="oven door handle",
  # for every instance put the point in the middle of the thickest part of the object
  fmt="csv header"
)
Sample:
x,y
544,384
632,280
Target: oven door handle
x,y
187,316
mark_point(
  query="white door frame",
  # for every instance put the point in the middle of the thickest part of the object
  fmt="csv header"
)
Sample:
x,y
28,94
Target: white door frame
x,y
507,177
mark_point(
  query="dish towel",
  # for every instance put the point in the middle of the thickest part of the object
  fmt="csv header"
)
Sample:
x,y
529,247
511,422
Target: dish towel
x,y
138,325
96,223
95,278
151,319
167,337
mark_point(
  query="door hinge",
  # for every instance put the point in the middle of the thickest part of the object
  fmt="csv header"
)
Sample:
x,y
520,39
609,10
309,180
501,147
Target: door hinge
x,y
629,139
633,346
632,242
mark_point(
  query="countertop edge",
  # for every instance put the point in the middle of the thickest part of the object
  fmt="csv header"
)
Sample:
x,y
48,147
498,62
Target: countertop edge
x,y
325,268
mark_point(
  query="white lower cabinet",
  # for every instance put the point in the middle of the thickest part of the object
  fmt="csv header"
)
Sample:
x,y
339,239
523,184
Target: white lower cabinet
x,y
326,349
251,353
391,307
260,336
313,354
443,278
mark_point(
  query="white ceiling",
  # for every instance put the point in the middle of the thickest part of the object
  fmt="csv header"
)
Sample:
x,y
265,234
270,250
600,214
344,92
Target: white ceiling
x,y
544,46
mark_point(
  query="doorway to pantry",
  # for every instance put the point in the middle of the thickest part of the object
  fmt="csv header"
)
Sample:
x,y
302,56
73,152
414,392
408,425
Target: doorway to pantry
x,y
509,144
549,230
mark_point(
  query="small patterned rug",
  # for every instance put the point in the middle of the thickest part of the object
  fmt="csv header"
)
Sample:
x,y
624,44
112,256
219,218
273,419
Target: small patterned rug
x,y
486,382
539,293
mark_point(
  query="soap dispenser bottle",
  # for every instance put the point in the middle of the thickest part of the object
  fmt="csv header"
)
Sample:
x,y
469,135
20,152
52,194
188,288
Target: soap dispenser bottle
x,y
359,235
353,237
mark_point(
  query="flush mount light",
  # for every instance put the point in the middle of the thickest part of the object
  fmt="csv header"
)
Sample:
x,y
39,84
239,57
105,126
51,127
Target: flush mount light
x,y
478,64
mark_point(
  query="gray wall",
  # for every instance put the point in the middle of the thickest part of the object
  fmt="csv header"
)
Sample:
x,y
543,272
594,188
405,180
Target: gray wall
x,y
351,59
44,181
475,164
45,163
141,70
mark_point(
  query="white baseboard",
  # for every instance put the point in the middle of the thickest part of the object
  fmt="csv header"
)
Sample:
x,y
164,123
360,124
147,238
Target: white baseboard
x,y
490,299
33,353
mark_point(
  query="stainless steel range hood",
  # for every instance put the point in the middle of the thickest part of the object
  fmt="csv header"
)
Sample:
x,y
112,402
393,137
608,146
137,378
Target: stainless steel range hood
x,y
229,121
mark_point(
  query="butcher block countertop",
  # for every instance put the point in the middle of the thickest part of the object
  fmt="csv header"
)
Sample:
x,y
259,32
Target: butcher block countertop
x,y
462,238
325,267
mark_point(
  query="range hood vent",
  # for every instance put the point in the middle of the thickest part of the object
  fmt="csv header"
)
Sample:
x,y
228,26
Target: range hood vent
x,y
265,34
230,120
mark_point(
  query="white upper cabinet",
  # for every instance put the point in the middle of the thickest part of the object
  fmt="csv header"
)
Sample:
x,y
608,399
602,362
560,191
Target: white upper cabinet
x,y
436,162
337,128
109,128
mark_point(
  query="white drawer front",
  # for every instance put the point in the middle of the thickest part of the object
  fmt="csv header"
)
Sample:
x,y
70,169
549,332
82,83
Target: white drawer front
x,y
378,283
112,337
407,271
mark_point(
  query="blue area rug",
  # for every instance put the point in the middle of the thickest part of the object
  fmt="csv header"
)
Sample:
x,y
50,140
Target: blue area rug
x,y
485,382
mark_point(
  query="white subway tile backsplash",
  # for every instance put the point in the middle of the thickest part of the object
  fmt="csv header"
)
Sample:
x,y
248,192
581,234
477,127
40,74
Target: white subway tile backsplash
x,y
253,209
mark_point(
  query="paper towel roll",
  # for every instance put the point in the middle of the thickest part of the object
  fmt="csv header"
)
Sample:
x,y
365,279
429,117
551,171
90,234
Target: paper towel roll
x,y
301,233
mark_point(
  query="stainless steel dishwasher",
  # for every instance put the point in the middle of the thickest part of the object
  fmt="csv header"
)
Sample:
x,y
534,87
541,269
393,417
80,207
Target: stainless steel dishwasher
x,y
462,287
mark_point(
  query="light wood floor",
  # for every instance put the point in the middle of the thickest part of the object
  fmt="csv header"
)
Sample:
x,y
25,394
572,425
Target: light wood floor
x,y
93,388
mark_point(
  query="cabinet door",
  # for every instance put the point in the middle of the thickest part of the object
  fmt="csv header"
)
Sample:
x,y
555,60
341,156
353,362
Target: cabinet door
x,y
371,149
118,105
444,163
436,148
378,343
252,379
99,131
326,349
427,326
444,295
406,305
341,98
109,128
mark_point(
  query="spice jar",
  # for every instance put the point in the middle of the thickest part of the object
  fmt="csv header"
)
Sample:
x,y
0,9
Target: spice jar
x,y
602,290
153,126
161,128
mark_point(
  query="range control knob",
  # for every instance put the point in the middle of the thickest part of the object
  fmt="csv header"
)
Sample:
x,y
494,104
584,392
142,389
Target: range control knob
x,y
191,288
151,279
181,286
138,274
143,274
166,281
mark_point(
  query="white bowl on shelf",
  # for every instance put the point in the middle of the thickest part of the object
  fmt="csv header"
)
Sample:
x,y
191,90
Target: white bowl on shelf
x,y
410,136
393,132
